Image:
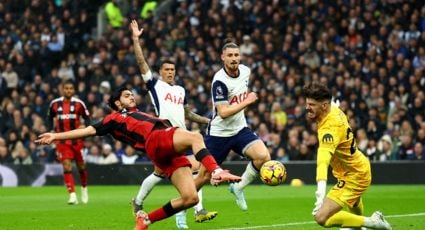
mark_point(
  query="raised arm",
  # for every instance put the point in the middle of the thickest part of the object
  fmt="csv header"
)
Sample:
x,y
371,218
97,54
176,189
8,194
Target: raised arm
x,y
138,52
48,138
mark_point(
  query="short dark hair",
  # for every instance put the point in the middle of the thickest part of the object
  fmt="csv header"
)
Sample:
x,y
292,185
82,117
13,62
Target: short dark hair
x,y
115,96
167,61
68,82
229,45
317,91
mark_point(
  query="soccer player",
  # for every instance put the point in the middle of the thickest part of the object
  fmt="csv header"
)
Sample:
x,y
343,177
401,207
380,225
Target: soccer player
x,y
337,148
163,144
228,128
170,103
66,113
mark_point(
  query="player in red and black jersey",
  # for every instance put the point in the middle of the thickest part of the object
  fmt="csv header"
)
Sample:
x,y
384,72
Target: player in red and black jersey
x,y
66,113
165,145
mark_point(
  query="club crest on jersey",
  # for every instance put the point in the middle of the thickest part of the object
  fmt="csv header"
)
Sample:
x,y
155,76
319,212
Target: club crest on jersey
x,y
72,108
327,139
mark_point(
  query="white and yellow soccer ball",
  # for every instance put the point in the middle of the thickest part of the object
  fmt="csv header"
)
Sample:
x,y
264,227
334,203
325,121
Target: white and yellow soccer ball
x,y
273,173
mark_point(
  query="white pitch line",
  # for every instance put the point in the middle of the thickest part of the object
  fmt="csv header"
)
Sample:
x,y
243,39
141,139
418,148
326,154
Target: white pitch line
x,y
309,222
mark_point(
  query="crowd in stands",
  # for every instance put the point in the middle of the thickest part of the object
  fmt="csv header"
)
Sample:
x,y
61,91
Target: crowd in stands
x,y
371,53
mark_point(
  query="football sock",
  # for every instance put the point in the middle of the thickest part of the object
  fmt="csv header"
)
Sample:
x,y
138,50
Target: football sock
x,y
358,208
345,219
161,213
83,177
69,181
207,160
198,207
248,176
146,187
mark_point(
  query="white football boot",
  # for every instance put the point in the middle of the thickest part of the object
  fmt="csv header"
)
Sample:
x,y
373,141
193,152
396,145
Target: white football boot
x,y
240,198
72,198
84,195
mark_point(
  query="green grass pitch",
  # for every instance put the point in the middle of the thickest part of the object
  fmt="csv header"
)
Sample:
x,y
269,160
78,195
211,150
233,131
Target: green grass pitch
x,y
281,207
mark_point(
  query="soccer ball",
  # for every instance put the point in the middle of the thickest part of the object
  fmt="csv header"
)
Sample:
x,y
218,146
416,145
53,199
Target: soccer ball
x,y
273,173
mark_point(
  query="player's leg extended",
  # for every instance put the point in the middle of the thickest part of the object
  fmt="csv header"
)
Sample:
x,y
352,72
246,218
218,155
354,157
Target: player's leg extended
x,y
183,182
259,154
146,187
332,215
184,140
201,214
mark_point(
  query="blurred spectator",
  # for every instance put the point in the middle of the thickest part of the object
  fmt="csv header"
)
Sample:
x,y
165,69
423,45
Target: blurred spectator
x,y
247,46
281,155
130,156
419,151
42,154
278,114
304,153
22,156
11,77
362,140
372,152
3,88
108,156
93,155
5,156
405,150
119,149
385,147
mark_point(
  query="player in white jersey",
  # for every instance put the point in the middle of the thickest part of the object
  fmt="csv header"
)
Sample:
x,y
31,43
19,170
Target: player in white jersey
x,y
228,129
170,103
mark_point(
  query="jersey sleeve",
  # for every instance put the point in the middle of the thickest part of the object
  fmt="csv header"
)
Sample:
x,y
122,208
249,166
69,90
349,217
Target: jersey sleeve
x,y
104,126
219,92
85,113
51,113
327,145
150,84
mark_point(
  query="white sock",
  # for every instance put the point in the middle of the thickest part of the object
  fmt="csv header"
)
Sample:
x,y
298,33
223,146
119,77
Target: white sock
x,y
248,176
198,207
146,187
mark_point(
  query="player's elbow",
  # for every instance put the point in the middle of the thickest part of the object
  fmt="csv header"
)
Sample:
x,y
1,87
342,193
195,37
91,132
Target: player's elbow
x,y
91,131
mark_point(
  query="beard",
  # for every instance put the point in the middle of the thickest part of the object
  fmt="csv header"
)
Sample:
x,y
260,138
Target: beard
x,y
312,117
233,66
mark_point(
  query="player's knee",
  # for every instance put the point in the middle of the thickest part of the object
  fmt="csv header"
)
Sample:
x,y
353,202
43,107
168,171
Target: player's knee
x,y
320,219
190,201
197,137
261,159
266,157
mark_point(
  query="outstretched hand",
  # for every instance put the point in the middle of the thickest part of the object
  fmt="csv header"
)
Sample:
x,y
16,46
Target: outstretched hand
x,y
136,32
45,139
